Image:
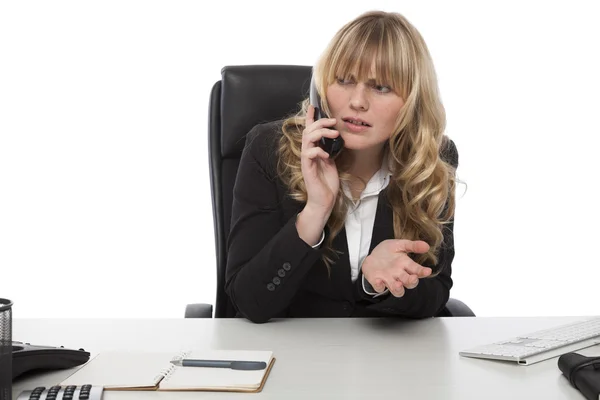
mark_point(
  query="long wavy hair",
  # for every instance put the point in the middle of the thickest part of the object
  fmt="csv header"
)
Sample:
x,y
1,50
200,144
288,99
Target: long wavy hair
x,y
422,186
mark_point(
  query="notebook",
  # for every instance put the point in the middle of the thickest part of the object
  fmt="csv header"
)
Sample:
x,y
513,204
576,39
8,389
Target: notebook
x,y
153,371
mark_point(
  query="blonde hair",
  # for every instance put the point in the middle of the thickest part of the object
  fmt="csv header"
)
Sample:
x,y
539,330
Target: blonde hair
x,y
422,186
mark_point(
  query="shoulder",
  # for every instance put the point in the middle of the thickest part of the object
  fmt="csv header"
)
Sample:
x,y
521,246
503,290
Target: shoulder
x,y
262,144
264,136
449,152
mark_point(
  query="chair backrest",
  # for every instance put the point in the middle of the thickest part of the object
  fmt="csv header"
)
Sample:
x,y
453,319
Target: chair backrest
x,y
244,97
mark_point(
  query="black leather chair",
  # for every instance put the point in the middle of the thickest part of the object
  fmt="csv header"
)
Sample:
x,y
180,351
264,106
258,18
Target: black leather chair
x,y
244,97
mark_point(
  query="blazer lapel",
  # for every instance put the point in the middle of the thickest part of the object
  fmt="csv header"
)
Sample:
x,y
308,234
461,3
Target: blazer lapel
x,y
383,228
340,271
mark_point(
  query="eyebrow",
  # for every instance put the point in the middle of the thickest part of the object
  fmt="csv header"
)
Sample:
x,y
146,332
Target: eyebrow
x,y
370,81
373,81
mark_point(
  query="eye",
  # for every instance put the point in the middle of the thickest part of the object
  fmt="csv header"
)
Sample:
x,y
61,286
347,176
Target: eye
x,y
343,81
383,88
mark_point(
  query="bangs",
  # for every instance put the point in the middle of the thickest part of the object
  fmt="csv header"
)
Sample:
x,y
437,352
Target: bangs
x,y
370,51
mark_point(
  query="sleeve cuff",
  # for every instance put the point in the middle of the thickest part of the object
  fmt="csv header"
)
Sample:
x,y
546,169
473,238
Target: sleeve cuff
x,y
368,289
320,241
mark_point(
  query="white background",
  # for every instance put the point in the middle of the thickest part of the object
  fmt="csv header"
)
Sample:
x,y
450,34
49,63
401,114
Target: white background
x,y
105,204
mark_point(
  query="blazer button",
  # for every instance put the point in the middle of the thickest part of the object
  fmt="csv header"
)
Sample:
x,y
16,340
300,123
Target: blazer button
x,y
270,287
276,280
287,266
281,273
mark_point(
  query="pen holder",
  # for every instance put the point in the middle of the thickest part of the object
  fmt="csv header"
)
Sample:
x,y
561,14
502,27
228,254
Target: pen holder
x,y
5,349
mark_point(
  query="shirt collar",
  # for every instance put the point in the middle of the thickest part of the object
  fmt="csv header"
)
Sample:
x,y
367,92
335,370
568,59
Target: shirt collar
x,y
378,181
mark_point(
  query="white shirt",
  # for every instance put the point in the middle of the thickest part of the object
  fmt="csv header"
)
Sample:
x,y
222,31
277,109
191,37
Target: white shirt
x,y
361,218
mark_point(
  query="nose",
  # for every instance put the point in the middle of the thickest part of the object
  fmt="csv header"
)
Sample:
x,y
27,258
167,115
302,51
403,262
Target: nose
x,y
358,98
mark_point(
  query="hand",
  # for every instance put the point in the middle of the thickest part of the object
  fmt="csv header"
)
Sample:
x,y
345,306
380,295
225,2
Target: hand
x,y
389,266
319,171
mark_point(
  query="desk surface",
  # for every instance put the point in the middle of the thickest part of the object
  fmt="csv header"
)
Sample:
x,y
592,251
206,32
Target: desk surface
x,y
327,358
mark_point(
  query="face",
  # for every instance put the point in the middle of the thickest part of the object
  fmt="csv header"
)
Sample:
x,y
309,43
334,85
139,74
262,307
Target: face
x,y
366,113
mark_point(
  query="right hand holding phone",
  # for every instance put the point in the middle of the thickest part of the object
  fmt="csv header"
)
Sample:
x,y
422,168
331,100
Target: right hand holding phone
x,y
319,171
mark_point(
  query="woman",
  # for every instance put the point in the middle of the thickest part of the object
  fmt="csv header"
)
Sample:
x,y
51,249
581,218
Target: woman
x,y
369,232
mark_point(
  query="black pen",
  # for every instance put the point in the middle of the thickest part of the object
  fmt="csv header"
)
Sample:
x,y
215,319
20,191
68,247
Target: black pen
x,y
239,365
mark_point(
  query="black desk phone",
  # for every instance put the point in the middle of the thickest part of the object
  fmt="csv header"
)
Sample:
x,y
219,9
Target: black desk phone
x,y
27,357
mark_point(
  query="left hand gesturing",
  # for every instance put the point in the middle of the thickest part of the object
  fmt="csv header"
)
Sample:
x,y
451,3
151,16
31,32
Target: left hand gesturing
x,y
389,266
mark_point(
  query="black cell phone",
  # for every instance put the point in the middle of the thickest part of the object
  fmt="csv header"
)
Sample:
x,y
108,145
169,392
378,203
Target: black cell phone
x,y
331,146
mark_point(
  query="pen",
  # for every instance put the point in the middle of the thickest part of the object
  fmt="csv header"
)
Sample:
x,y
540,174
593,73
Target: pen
x,y
239,365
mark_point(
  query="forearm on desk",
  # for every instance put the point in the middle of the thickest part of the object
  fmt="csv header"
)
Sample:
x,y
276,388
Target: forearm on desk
x,y
264,286
431,294
426,300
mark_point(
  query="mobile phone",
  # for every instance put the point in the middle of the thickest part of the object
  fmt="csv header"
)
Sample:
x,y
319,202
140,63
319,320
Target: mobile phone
x,y
331,146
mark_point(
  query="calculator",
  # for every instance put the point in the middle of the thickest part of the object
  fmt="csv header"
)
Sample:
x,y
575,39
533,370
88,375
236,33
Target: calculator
x,y
71,392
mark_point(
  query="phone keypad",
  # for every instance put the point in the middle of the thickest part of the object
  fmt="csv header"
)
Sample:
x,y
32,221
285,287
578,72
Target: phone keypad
x,y
70,392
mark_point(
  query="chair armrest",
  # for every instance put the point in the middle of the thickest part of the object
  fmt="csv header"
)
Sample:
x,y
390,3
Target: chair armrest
x,y
457,308
198,310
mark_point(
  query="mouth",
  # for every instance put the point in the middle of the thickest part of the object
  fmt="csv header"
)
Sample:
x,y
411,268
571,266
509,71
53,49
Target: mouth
x,y
356,121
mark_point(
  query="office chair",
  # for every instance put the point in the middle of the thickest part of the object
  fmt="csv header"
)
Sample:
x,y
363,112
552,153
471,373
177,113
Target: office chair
x,y
244,97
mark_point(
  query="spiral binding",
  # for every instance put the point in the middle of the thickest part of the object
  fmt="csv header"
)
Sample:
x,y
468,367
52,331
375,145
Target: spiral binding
x,y
167,372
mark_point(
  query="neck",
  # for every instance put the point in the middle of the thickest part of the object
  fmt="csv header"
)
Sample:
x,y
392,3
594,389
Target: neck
x,y
365,163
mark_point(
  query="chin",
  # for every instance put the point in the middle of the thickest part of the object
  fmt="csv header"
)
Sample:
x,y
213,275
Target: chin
x,y
355,148
351,143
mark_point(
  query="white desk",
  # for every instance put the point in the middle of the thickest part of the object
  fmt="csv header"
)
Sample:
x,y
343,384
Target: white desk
x,y
327,358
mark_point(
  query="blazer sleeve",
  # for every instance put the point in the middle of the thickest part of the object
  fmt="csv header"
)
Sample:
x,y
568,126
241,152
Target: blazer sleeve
x,y
266,261
431,294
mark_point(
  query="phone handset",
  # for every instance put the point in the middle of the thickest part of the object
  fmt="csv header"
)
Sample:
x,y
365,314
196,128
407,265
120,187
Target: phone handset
x,y
331,146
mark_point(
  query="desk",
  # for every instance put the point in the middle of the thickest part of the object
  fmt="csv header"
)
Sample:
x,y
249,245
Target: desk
x,y
327,358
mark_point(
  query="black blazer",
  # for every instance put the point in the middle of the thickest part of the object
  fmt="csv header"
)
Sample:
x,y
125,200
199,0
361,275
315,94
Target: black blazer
x,y
271,272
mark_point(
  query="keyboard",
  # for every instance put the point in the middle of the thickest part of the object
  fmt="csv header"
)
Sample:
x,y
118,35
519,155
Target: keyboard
x,y
71,392
541,345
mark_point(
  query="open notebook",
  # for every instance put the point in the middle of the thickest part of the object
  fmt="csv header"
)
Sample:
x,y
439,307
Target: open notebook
x,y
153,371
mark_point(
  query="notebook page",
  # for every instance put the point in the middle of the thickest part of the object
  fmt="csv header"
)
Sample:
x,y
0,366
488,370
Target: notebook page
x,y
122,370
217,378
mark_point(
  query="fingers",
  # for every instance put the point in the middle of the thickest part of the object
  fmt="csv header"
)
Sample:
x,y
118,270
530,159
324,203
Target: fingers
x,y
315,130
379,286
396,287
424,272
409,281
401,278
310,116
409,272
413,268
311,125
315,136
315,152
411,246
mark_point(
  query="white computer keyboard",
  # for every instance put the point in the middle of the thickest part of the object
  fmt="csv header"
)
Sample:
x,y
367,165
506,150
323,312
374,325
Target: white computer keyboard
x,y
541,345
